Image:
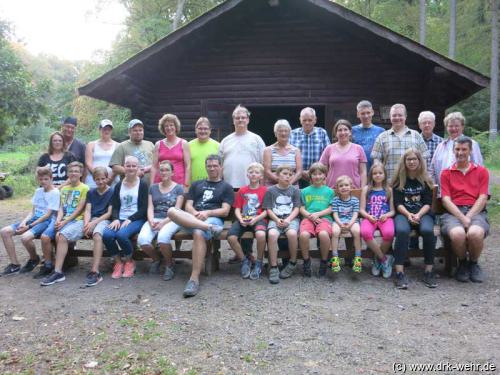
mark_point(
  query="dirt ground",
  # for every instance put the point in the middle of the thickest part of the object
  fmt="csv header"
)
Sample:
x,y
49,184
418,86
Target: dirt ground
x,y
337,325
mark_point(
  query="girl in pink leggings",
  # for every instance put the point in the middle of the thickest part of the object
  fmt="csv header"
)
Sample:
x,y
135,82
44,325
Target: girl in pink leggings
x,y
377,209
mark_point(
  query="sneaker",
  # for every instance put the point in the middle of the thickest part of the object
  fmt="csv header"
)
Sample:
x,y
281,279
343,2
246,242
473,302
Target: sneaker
x,y
117,271
216,230
335,264
288,271
429,279
55,277
11,269
357,264
192,288
387,266
169,273
154,268
476,273
376,267
30,265
323,265
128,268
43,272
463,273
401,281
246,266
256,271
307,268
274,275
93,278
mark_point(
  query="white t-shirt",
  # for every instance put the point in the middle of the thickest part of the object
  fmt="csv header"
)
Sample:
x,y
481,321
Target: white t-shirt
x,y
129,198
237,152
45,200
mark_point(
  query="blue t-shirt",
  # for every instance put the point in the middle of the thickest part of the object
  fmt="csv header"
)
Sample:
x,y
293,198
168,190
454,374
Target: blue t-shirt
x,y
345,209
365,137
377,203
99,202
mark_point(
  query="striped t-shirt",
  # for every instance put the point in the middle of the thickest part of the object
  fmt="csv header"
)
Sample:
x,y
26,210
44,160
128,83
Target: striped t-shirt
x,y
345,208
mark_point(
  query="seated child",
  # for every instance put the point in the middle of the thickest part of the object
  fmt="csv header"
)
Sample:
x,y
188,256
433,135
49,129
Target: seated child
x,y
345,209
377,208
39,221
250,218
69,221
95,219
282,202
317,218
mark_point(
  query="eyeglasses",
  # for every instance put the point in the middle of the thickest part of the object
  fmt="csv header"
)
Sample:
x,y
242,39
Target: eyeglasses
x,y
241,118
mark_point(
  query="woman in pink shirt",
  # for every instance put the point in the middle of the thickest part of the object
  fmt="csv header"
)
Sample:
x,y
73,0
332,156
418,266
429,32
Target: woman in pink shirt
x,y
344,157
173,149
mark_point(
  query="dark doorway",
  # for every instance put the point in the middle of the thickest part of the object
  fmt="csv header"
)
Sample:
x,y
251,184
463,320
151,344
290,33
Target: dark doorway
x,y
262,119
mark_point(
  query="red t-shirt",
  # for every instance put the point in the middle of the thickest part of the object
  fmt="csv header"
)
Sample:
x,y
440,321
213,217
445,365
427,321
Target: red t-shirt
x,y
249,201
464,189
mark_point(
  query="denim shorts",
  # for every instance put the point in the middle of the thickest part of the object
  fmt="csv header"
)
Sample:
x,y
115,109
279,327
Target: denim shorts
x,y
73,230
99,228
206,233
38,229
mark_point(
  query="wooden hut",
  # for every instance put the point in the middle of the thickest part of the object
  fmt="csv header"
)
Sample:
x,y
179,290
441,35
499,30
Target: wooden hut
x,y
276,57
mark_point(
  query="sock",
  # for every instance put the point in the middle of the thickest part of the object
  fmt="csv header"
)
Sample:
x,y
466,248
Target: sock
x,y
335,254
57,271
357,253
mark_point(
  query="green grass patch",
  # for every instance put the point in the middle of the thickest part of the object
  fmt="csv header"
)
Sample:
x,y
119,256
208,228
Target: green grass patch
x,y
494,205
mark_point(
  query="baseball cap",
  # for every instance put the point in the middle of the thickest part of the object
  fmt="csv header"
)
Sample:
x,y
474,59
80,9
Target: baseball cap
x,y
135,122
70,121
105,123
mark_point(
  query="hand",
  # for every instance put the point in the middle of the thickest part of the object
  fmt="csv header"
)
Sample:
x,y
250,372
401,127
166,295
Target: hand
x,y
202,215
283,223
186,189
253,221
140,173
60,224
125,223
383,218
314,217
466,222
154,225
22,228
89,228
305,175
115,225
244,222
372,219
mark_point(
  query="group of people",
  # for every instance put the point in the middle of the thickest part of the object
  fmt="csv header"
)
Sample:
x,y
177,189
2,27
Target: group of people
x,y
300,187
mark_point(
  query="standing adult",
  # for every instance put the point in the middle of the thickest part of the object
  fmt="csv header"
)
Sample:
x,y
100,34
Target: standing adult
x,y
99,152
207,203
426,123
173,149
444,156
390,145
75,146
282,152
200,148
57,159
240,149
364,134
464,191
344,157
310,140
135,146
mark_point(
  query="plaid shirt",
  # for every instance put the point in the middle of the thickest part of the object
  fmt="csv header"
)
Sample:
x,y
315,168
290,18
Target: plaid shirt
x,y
310,145
432,144
389,148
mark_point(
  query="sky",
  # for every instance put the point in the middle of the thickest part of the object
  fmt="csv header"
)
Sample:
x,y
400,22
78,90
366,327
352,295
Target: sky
x,y
68,29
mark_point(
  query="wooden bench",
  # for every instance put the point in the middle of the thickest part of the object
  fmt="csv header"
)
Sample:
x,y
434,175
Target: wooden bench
x,y
212,258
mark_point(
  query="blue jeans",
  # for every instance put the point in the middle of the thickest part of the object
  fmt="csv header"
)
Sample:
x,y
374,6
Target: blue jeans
x,y
112,238
403,229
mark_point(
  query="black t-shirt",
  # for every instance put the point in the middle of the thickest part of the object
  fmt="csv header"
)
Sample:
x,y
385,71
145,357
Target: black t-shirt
x,y
208,195
58,168
77,148
413,196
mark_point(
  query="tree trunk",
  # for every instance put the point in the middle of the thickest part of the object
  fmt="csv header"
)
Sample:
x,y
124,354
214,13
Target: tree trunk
x,y
494,71
178,13
453,29
422,22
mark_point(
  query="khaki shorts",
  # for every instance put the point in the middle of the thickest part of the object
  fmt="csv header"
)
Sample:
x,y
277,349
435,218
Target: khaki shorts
x,y
448,221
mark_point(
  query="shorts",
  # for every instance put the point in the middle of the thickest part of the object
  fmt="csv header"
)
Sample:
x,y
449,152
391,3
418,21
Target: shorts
x,y
38,229
238,230
448,221
50,230
313,229
73,230
99,228
206,233
294,225
165,234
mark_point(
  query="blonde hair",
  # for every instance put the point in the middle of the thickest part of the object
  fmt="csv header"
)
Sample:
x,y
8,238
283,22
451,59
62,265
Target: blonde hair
x,y
385,184
76,164
399,178
169,117
257,166
43,171
98,170
317,167
343,178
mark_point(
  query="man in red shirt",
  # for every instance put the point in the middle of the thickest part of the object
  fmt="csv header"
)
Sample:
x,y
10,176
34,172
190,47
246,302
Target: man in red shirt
x,y
464,192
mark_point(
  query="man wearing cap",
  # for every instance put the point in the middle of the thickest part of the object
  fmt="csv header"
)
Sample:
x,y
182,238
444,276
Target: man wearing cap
x,y
135,146
75,146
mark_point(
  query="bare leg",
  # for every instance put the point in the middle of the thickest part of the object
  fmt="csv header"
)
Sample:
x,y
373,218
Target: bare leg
x,y
324,244
186,220
335,239
272,246
166,250
199,252
475,242
151,252
304,244
260,236
61,251
236,246
7,234
27,240
98,249
385,246
458,240
46,248
356,234
292,244
373,245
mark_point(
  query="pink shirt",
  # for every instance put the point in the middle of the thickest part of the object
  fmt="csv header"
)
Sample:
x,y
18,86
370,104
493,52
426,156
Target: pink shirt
x,y
343,163
176,156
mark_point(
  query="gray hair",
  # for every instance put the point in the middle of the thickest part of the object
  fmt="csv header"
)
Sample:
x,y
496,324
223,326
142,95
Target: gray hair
x,y
364,104
399,106
309,110
454,116
281,124
463,139
426,114
240,108
213,157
